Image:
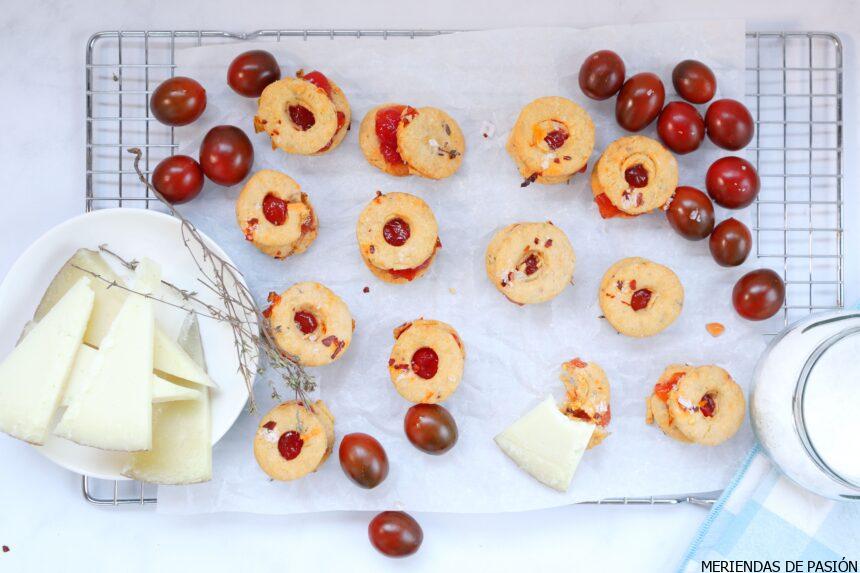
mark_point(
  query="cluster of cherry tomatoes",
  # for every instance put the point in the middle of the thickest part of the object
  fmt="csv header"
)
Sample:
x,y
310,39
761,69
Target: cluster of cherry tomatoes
x,y
431,429
731,182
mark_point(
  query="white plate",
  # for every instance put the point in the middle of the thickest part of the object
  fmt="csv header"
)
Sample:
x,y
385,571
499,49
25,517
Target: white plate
x,y
132,233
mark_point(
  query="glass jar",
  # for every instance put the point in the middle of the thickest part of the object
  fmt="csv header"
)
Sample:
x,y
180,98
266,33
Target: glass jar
x,y
805,403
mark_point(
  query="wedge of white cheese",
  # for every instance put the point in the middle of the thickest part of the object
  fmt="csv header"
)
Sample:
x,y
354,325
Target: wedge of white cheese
x,y
168,357
547,444
34,375
113,409
162,390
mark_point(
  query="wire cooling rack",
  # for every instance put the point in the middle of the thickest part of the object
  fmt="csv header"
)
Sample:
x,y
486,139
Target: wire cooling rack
x,y
793,89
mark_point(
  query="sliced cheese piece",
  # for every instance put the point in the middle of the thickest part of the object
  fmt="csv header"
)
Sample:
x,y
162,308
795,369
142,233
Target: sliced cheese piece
x,y
169,357
34,375
181,444
162,390
113,410
547,444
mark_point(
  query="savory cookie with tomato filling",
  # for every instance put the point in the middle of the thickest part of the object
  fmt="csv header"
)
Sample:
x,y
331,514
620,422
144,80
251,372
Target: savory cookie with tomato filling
x,y
426,363
587,396
530,263
275,215
398,237
639,297
551,141
306,115
430,142
656,408
634,175
293,440
310,323
377,138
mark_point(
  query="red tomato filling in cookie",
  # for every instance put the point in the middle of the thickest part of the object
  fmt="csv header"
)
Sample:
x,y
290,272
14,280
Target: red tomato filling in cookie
x,y
636,176
556,138
303,117
607,209
707,405
410,274
305,321
275,210
290,445
662,389
386,131
530,265
425,362
640,298
396,232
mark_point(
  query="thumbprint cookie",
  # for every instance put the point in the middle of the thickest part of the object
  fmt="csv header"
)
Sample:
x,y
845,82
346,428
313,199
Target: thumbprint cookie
x,y
426,363
275,215
530,263
402,140
294,439
305,115
701,404
634,175
310,323
639,297
587,396
398,237
551,141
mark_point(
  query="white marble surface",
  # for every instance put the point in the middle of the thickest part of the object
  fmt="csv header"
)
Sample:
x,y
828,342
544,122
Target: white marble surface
x,y
43,519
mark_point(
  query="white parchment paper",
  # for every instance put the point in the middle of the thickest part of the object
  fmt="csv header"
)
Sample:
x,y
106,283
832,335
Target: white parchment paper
x,y
513,353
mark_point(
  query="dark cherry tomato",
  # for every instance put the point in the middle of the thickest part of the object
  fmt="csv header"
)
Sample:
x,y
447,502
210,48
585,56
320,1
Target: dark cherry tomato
x,y
694,81
758,294
431,428
250,72
178,178
732,182
226,155
691,213
395,534
363,460
729,124
639,101
681,127
730,243
178,101
601,75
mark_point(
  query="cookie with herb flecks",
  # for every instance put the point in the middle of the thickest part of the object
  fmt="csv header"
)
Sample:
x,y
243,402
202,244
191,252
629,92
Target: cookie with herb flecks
x,y
426,363
640,297
430,142
291,440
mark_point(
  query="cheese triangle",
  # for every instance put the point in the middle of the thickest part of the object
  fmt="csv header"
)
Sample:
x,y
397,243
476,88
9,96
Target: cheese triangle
x,y
34,375
113,410
162,390
168,357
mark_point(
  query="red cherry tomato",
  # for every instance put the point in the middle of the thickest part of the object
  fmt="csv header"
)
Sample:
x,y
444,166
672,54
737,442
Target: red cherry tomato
x,y
691,213
250,72
639,101
363,460
681,127
178,178
431,428
730,243
732,182
729,124
226,155
178,101
601,75
758,294
395,534
694,81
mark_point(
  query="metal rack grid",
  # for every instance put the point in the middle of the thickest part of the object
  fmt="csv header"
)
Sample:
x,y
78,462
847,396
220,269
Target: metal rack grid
x,y
793,89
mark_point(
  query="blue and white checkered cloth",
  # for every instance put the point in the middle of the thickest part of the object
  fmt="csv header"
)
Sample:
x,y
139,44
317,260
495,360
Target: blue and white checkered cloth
x,y
762,515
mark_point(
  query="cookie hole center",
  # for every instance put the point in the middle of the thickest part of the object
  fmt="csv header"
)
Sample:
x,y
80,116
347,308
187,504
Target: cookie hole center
x,y
636,176
425,362
290,445
303,119
640,299
305,321
707,405
275,210
530,264
396,232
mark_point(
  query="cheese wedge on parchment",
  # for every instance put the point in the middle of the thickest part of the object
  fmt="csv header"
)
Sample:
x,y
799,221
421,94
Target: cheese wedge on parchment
x,y
34,375
168,357
162,390
113,409
547,444
181,433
